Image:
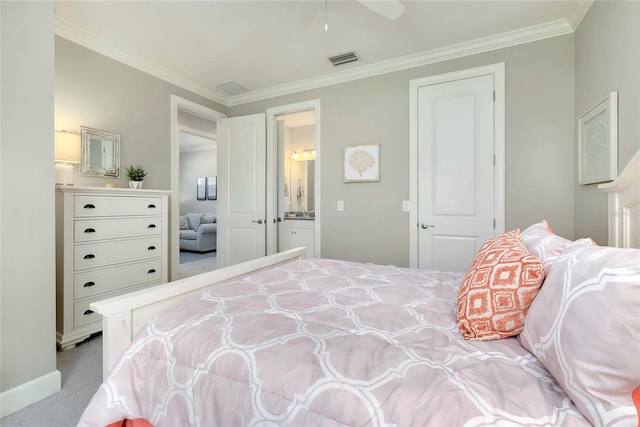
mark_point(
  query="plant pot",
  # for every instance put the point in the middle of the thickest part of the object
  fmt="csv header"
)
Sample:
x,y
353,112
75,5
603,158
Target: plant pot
x,y
135,184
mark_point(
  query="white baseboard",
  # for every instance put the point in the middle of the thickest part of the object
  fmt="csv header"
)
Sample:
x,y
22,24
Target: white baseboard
x,y
30,392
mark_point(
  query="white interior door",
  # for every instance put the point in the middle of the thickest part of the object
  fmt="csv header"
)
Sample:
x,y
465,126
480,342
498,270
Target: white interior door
x,y
241,189
455,171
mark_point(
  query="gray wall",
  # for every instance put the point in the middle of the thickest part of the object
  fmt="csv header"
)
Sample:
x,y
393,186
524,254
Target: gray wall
x,y
607,59
95,91
27,269
194,165
539,148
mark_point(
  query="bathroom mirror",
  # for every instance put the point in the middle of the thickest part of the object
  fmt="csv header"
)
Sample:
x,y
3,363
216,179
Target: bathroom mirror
x,y
100,153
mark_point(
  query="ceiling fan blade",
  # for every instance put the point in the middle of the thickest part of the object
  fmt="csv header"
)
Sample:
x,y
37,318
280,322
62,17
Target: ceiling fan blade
x,y
305,13
391,9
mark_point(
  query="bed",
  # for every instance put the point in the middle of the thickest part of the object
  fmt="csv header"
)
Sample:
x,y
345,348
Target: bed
x,y
540,331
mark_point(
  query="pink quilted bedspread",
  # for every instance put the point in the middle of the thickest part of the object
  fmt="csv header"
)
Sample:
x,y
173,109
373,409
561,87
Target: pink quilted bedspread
x,y
325,342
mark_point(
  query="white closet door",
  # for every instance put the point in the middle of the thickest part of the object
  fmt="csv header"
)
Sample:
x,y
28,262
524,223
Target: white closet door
x,y
455,172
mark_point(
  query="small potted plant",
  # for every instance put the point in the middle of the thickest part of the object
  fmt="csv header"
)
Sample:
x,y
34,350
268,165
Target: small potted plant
x,y
136,175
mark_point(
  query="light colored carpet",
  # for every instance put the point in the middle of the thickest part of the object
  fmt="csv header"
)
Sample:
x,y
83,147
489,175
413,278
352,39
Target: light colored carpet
x,y
81,369
195,256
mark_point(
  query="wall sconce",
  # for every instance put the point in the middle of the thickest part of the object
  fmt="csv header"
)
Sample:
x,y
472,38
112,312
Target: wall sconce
x,y
67,152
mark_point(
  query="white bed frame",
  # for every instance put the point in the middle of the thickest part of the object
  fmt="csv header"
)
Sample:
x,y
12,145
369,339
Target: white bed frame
x,y
624,206
124,315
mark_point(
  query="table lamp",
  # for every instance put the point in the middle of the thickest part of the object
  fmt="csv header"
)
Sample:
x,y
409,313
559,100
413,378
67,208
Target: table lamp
x,y
67,153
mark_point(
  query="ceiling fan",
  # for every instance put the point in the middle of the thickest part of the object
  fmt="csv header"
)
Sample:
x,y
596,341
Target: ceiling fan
x,y
307,9
390,9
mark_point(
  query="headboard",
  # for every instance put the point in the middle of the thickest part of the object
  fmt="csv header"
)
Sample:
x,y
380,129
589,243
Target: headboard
x,y
624,206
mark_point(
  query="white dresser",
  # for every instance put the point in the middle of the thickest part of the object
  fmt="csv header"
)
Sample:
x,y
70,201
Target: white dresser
x,y
109,241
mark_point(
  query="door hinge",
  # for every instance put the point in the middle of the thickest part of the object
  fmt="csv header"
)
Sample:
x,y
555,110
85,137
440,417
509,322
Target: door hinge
x,y
494,160
494,223
494,96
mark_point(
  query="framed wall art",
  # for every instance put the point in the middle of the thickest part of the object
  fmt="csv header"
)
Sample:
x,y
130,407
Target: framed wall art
x,y
201,189
598,142
362,163
212,188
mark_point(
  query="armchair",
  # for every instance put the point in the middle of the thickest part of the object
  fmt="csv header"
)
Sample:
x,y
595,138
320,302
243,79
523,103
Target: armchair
x,y
199,234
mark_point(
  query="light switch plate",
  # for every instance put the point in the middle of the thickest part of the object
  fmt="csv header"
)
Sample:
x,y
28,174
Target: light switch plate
x,y
340,205
405,206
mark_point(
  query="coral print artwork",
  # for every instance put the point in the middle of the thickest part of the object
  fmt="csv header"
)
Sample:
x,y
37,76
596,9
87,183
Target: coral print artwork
x,y
362,163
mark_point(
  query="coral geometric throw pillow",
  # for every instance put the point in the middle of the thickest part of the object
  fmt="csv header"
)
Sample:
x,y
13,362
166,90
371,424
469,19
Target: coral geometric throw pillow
x,y
498,289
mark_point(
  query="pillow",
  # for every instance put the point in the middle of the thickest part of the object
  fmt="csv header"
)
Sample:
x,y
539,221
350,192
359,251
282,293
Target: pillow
x,y
184,222
584,326
541,242
498,289
194,220
635,395
208,218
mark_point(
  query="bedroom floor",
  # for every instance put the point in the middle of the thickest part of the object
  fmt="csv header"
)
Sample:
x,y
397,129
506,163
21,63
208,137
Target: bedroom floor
x,y
81,371
196,264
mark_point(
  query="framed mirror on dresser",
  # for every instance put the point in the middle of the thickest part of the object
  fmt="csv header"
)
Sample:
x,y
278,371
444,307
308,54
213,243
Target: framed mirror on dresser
x,y
100,153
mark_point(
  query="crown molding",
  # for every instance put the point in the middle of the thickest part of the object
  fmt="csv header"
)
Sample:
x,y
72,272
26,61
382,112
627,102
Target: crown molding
x,y
579,13
512,38
82,38
508,39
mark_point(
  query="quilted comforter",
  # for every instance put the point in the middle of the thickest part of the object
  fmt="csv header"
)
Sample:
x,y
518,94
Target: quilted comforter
x,y
325,342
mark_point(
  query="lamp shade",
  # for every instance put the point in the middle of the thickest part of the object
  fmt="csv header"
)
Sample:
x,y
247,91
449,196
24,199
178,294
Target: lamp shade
x,y
67,147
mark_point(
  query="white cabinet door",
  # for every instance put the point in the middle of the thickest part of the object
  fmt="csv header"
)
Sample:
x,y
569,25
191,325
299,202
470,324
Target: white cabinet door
x,y
300,233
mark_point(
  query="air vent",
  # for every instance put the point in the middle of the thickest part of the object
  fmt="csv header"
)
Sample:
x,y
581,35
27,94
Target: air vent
x,y
233,88
344,58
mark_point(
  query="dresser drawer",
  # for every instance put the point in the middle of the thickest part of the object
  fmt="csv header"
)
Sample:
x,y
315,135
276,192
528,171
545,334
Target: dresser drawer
x,y
82,313
88,230
99,281
106,253
91,206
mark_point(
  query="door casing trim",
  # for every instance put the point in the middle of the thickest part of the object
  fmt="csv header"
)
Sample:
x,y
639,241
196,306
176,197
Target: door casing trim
x,y
498,72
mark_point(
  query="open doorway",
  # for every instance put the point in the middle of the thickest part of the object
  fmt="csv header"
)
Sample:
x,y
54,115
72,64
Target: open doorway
x,y
296,175
293,171
193,151
197,198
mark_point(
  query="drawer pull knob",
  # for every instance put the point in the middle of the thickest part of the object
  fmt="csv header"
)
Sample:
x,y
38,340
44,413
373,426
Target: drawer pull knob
x,y
151,226
90,230
151,271
89,284
87,312
151,248
89,206
151,206
89,256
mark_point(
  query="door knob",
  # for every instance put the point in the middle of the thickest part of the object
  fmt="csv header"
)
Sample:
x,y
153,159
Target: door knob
x,y
425,226
258,221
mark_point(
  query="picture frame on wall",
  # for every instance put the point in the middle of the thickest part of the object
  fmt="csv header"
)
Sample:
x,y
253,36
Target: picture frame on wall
x,y
212,188
201,189
362,163
598,142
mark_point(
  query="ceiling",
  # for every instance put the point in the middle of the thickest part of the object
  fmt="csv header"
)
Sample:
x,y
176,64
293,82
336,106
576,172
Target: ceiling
x,y
191,142
238,51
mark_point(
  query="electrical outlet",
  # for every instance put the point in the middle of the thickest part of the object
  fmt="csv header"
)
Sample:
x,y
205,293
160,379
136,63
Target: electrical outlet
x,y
405,206
340,205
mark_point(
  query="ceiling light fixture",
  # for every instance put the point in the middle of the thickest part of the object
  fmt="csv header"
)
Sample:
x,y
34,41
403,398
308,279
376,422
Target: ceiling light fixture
x,y
306,154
